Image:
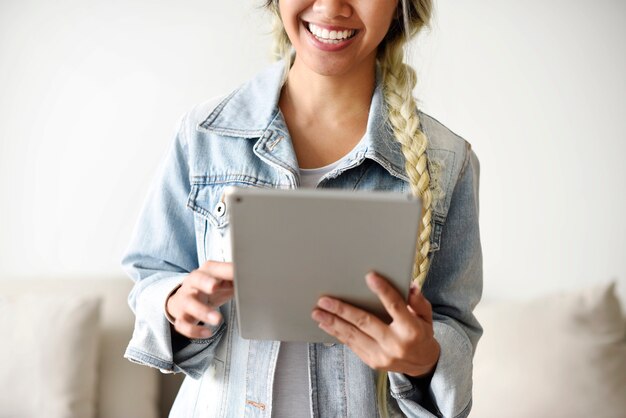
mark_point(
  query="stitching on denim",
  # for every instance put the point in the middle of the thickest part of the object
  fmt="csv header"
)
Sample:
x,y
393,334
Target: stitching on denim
x,y
198,182
363,172
236,133
388,165
441,197
143,357
345,380
240,133
209,180
404,394
277,161
218,109
435,238
249,388
229,337
269,383
313,373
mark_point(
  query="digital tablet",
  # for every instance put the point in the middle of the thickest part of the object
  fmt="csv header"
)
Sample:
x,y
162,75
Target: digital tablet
x,y
291,246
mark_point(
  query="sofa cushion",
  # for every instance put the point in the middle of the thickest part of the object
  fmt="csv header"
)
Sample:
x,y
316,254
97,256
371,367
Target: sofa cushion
x,y
49,355
124,389
557,356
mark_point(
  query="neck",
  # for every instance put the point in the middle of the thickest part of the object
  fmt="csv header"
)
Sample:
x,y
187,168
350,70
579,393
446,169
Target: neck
x,y
321,97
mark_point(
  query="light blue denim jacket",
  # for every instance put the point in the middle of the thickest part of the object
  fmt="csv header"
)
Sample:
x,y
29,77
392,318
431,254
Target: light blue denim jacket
x,y
242,139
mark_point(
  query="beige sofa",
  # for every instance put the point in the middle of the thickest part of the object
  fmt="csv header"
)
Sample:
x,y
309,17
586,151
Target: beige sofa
x,y
532,360
122,389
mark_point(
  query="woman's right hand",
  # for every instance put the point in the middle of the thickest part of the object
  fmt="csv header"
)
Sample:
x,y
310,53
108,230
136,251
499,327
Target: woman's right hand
x,y
201,293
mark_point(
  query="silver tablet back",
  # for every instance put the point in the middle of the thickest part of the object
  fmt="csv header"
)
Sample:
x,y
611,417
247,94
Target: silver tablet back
x,y
292,246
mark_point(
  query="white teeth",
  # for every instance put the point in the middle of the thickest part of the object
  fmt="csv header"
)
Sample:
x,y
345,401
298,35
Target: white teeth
x,y
326,36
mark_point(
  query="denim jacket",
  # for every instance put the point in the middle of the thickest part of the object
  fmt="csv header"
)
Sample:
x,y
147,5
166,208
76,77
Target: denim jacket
x,y
242,139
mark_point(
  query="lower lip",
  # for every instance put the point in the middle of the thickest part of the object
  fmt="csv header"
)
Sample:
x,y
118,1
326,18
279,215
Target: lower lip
x,y
327,47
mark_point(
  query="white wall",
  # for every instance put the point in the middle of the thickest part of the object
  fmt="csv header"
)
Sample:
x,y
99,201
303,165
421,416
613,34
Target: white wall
x,y
91,92
538,88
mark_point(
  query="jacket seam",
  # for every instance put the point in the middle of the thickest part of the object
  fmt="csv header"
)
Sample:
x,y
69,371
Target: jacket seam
x,y
143,357
405,393
209,180
443,219
424,128
468,152
214,113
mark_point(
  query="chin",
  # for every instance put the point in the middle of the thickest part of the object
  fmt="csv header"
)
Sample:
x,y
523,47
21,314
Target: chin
x,y
326,67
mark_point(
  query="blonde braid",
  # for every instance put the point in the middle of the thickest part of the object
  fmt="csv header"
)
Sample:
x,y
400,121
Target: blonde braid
x,y
398,82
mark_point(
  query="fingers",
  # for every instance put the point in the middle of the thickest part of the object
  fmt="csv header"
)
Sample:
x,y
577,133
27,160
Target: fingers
x,y
218,270
362,320
201,312
212,277
369,350
202,292
207,285
344,331
393,302
193,311
188,326
420,305
406,344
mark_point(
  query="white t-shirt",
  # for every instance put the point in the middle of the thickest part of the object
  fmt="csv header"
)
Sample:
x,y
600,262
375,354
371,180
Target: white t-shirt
x,y
291,381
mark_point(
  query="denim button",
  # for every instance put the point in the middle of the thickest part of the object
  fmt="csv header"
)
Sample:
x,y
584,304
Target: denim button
x,y
220,209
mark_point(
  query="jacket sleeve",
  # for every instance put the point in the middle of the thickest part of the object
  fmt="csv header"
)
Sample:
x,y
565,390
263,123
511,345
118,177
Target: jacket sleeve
x,y
161,253
453,287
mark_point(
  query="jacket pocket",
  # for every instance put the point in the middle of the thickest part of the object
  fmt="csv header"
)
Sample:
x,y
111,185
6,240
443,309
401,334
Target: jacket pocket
x,y
206,199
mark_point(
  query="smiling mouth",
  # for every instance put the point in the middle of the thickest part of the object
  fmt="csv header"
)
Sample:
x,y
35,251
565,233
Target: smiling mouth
x,y
330,36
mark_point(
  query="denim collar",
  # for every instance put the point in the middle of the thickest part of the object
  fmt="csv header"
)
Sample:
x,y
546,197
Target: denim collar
x,y
252,110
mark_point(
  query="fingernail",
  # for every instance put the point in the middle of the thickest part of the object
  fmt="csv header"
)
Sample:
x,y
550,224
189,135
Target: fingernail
x,y
213,317
324,327
371,280
318,316
326,303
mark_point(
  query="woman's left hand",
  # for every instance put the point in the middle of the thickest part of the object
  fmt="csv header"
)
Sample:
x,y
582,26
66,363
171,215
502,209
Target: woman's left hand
x,y
406,345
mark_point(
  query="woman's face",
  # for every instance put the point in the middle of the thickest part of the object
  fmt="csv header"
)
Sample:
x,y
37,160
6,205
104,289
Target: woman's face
x,y
335,37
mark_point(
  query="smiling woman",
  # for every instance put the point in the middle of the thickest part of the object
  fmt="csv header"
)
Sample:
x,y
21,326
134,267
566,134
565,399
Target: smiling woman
x,y
336,111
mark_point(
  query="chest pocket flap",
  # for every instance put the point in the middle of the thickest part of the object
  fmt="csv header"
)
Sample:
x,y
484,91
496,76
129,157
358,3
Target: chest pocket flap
x,y
206,197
